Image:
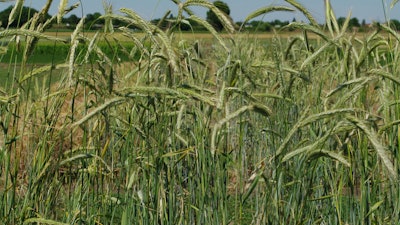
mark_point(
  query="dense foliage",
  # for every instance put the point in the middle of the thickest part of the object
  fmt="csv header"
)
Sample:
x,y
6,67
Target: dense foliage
x,y
25,13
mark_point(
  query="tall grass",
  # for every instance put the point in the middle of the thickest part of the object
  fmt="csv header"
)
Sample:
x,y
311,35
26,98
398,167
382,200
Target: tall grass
x,y
237,130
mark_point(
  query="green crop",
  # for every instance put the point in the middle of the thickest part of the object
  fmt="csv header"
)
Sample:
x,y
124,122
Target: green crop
x,y
161,129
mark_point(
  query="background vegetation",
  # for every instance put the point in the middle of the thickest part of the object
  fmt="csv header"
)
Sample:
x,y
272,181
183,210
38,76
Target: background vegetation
x,y
94,21
235,129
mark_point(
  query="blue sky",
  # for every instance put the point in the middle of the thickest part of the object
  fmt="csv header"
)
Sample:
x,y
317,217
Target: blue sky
x,y
370,10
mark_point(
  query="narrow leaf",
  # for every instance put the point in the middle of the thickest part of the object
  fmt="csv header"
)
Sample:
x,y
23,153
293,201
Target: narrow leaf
x,y
379,147
394,2
374,207
61,10
109,103
15,11
302,9
43,221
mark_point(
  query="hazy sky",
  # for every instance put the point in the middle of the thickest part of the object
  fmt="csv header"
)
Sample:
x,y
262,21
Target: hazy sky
x,y
370,10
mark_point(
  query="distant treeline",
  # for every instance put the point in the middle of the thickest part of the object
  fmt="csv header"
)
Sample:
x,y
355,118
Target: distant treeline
x,y
94,21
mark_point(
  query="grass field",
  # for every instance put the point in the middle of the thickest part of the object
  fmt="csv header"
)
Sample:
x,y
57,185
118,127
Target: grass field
x,y
164,127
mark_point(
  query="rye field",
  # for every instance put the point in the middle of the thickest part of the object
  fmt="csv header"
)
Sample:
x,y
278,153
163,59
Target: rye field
x,y
164,127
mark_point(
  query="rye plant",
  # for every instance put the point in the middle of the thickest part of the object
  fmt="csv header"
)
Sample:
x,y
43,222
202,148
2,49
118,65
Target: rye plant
x,y
165,129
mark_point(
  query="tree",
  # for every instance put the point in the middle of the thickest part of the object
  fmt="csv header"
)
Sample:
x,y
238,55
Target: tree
x,y
395,24
93,21
363,26
363,23
260,26
354,22
341,21
25,15
213,19
72,20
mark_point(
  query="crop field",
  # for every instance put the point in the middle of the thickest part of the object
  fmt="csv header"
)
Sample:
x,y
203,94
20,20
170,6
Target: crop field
x,y
166,127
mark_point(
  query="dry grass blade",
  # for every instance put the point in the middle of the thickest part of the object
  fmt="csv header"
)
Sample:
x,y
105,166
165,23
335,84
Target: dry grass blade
x,y
385,74
374,139
304,11
12,32
331,18
78,29
307,27
290,134
388,126
179,152
179,118
328,16
137,41
181,9
108,23
74,46
302,150
313,57
138,91
316,153
304,121
38,71
266,10
151,29
35,72
172,57
79,157
262,109
61,10
394,2
91,46
220,123
390,31
291,45
44,12
346,84
209,28
346,24
109,103
366,51
94,47
15,11
7,99
315,149
221,96
226,22
198,96
349,94
134,18
336,156
43,221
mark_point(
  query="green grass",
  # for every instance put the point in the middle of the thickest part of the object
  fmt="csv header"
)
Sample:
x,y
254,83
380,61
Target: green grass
x,y
162,129
47,52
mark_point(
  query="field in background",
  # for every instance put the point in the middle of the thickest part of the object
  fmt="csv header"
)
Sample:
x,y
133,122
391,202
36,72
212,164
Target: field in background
x,y
163,127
